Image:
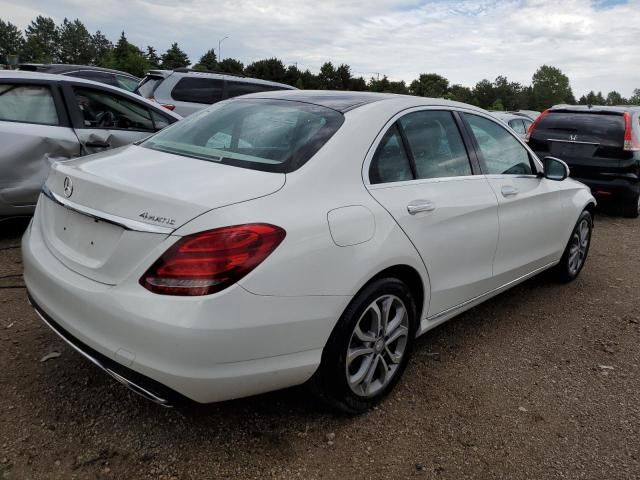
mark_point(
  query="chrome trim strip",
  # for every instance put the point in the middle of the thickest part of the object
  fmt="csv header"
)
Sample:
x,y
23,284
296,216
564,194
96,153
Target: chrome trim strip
x,y
490,292
128,383
571,141
125,223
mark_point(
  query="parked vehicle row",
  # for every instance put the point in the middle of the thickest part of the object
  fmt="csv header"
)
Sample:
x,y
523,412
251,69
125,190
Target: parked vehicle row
x,y
600,144
293,236
48,118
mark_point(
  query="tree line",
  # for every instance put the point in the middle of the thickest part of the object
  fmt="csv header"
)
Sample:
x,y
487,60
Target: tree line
x,y
70,42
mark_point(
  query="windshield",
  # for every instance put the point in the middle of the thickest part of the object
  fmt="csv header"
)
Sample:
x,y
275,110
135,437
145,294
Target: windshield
x,y
268,135
148,86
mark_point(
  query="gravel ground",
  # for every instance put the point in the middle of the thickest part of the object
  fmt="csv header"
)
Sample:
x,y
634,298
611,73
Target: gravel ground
x,y
540,382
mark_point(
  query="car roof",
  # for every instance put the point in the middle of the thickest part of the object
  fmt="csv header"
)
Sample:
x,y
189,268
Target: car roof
x,y
506,116
343,101
37,76
595,108
187,72
65,68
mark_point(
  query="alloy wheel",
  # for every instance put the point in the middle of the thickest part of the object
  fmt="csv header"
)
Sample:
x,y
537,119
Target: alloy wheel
x,y
579,246
377,346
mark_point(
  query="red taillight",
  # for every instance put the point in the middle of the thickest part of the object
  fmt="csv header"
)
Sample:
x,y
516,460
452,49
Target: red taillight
x,y
631,144
535,122
207,262
168,106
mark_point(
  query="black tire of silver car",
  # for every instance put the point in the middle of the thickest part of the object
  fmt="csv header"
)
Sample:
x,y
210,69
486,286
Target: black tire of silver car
x,y
632,208
369,348
575,254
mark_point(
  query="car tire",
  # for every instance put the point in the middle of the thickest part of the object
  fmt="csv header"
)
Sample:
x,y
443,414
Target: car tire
x,y
577,249
353,383
632,208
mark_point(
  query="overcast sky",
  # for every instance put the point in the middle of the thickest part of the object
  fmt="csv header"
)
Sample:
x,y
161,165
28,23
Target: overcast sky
x,y
595,42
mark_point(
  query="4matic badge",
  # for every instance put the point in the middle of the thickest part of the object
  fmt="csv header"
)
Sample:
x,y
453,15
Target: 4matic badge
x,y
153,218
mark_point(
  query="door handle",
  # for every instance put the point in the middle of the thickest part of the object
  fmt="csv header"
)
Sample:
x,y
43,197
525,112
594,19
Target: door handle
x,y
509,191
418,206
97,144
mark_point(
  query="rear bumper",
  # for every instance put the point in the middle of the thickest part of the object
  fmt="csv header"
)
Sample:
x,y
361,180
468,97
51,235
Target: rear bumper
x,y
620,189
219,347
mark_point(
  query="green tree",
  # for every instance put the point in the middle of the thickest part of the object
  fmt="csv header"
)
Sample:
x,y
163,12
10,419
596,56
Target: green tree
x,y
497,106
231,65
614,98
358,84
100,47
127,58
635,98
343,77
484,93
174,57
152,57
11,40
309,80
267,69
550,87
459,93
208,61
75,43
41,45
379,84
430,85
327,77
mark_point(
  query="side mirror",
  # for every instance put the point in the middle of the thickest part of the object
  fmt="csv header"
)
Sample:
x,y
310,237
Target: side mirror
x,y
555,169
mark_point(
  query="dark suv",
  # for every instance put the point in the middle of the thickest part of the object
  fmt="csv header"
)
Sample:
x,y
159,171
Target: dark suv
x,y
601,146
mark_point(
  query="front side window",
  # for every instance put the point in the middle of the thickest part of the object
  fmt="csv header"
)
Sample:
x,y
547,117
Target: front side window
x,y
102,109
268,135
198,90
390,162
501,153
436,144
27,103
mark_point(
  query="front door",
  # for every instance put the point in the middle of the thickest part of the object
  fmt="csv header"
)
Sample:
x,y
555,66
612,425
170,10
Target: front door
x,y
422,175
108,120
532,210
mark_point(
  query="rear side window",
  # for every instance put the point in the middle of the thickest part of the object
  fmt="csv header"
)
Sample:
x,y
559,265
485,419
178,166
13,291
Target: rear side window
x,y
148,86
436,145
27,103
390,162
500,152
260,134
235,89
517,125
602,128
127,83
198,90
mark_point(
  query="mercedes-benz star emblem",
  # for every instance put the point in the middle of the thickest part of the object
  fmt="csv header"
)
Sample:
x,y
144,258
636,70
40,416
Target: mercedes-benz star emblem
x,y
68,187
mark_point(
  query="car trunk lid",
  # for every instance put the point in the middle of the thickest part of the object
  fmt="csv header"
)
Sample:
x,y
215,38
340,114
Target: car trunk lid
x,y
103,214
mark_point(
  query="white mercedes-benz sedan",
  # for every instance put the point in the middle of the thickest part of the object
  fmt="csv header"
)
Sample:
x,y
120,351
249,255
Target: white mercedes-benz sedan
x,y
293,236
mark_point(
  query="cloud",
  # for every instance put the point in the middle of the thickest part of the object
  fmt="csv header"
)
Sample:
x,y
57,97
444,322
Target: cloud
x,y
592,41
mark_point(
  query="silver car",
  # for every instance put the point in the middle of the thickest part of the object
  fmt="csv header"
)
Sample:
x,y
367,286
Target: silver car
x,y
519,123
47,118
186,91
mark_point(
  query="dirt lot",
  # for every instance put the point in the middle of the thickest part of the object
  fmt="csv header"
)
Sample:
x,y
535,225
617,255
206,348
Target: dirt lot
x,y
541,382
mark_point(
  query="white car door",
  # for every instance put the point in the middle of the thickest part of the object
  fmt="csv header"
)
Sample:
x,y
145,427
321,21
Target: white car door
x,y
422,174
533,211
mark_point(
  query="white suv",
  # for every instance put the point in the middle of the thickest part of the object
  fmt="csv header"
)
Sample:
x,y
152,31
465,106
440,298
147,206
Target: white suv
x,y
186,91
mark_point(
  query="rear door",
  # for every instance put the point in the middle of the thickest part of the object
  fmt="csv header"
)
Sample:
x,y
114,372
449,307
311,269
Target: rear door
x,y
533,211
34,133
104,119
423,175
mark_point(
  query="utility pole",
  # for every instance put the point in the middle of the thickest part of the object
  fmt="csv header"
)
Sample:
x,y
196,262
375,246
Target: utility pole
x,y
220,47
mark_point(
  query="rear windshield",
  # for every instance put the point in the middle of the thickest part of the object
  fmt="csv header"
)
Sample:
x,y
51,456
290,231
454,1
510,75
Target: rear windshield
x,y
602,128
148,86
260,134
